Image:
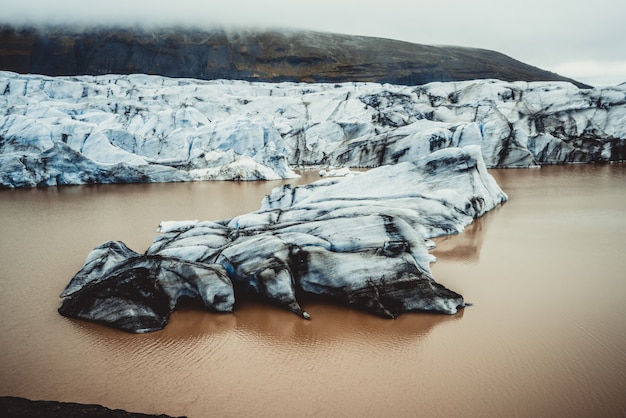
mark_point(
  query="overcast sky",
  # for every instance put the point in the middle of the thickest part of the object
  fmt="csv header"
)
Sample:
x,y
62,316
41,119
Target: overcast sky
x,y
582,40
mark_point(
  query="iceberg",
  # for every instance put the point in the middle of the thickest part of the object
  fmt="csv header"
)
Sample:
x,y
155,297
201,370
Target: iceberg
x,y
140,128
361,240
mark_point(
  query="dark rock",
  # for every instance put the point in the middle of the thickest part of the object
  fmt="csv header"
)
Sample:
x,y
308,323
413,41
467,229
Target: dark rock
x,y
14,407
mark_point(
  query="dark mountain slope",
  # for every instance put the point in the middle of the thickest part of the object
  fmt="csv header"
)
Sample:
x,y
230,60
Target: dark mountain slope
x,y
251,55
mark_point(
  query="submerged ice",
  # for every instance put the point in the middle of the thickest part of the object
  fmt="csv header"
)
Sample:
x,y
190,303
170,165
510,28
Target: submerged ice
x,y
139,128
360,240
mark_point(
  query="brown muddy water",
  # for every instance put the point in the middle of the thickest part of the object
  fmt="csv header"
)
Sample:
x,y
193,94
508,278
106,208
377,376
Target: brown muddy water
x,y
546,336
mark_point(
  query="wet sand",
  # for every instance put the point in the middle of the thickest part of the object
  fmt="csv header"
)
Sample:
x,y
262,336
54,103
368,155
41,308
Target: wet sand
x,y
545,336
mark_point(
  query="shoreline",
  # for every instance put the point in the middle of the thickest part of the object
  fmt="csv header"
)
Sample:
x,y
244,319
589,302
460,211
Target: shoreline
x,y
13,406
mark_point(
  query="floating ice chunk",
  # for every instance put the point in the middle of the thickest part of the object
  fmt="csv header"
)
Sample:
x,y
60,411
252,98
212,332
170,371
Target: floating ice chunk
x,y
359,240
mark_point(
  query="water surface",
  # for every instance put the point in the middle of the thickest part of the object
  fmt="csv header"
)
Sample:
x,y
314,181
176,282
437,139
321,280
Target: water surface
x,y
545,336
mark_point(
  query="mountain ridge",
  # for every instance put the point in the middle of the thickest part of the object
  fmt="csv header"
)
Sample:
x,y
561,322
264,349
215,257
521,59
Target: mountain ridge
x,y
251,55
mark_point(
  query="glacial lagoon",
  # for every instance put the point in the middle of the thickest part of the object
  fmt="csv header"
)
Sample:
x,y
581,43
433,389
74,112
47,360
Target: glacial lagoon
x,y
545,335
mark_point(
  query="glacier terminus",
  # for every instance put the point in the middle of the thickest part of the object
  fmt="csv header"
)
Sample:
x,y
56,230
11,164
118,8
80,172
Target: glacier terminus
x,y
140,128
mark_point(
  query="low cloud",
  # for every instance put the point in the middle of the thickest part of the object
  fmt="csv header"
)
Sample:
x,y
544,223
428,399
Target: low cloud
x,y
596,73
577,40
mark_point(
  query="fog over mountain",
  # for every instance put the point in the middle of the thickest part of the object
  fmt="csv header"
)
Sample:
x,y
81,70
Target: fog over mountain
x,y
580,40
253,55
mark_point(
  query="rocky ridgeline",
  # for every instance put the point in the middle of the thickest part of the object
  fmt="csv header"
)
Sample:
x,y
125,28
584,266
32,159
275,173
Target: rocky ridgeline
x,y
139,128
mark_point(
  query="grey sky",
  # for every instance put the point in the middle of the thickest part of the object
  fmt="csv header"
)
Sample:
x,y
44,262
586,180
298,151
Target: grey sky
x,y
582,40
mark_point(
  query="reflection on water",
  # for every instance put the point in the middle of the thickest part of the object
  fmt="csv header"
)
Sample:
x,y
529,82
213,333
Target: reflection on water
x,y
332,328
464,247
545,336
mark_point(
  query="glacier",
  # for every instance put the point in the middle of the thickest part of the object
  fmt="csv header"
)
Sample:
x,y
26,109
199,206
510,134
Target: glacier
x,y
358,238
142,128
362,240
